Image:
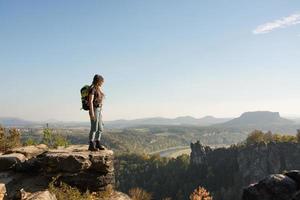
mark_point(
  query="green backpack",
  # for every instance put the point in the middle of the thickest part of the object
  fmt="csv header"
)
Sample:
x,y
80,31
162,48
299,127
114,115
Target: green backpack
x,y
85,91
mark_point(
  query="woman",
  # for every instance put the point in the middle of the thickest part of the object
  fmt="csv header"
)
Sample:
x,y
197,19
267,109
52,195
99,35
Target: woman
x,y
96,96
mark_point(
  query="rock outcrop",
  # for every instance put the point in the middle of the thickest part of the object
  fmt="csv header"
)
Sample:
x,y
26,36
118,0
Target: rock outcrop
x,y
199,153
27,171
275,187
239,166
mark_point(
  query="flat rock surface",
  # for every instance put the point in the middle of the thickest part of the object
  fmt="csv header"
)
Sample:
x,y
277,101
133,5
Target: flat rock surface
x,y
77,158
29,151
41,195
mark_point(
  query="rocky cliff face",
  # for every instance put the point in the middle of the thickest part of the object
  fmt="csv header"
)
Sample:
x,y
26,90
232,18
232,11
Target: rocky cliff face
x,y
236,167
26,172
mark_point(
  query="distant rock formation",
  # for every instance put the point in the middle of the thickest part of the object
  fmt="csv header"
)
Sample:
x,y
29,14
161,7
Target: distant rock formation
x,y
27,171
238,166
275,187
199,153
258,119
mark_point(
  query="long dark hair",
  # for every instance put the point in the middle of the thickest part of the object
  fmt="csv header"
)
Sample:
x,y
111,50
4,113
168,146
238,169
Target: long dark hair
x,y
96,81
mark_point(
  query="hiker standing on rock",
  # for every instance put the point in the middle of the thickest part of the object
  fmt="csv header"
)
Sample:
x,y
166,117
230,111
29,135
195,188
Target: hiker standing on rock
x,y
95,100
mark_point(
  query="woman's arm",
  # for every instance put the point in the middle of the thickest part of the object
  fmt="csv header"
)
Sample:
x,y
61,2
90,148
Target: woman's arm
x,y
91,106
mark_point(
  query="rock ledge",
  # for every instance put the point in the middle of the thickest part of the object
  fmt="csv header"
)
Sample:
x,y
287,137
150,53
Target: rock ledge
x,y
32,168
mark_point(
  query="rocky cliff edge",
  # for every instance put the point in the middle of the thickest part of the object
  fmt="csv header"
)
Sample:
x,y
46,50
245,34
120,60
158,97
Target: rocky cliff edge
x,y
25,173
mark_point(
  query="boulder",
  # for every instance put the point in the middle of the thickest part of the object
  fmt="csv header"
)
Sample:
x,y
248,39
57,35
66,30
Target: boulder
x,y
8,161
29,151
274,187
295,175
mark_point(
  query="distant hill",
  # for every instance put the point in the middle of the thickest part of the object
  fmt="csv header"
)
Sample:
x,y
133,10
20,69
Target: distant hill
x,y
18,123
258,119
184,120
210,120
15,122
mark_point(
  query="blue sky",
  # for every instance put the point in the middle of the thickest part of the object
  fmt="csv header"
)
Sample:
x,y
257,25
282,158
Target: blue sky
x,y
159,58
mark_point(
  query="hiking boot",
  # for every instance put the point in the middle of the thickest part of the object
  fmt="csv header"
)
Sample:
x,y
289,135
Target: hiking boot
x,y
99,146
92,147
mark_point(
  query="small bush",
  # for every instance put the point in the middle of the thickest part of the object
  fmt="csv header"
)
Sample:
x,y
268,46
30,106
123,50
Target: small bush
x,y
10,140
29,142
64,191
14,138
200,194
2,139
255,137
54,140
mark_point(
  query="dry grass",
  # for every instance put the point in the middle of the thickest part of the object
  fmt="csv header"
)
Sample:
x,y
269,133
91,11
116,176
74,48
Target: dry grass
x,y
139,194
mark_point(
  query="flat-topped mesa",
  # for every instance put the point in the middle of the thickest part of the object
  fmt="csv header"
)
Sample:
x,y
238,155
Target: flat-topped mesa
x,y
36,166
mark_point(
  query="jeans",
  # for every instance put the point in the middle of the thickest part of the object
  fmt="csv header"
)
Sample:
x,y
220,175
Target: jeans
x,y
96,125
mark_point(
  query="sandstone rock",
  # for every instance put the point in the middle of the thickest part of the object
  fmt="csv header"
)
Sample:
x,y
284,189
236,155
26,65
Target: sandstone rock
x,y
76,159
8,161
30,151
75,166
274,187
2,191
102,161
5,178
30,166
119,196
30,183
55,161
88,181
41,195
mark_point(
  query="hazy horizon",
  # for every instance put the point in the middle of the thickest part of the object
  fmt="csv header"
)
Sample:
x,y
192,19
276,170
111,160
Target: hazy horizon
x,y
158,58
289,116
